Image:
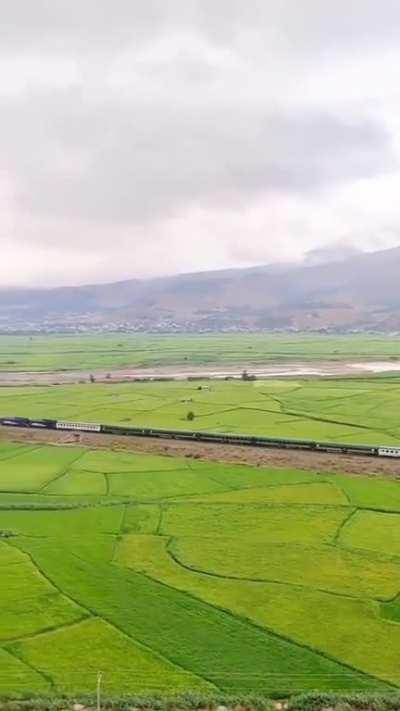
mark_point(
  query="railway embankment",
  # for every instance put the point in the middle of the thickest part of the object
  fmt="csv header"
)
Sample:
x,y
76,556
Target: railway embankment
x,y
235,454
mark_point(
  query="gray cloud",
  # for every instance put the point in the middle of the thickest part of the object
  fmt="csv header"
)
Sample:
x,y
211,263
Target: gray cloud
x,y
131,126
109,163
309,24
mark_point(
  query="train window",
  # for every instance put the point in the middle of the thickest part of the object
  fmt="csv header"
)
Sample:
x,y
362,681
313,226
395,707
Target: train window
x,y
389,451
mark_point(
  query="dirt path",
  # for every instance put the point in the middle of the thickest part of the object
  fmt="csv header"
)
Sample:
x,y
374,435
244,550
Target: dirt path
x,y
315,461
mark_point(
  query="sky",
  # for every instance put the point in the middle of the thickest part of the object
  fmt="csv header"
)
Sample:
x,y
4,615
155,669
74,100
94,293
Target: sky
x,y
140,138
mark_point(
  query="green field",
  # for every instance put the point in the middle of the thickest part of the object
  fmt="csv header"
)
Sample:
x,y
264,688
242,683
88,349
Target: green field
x,y
363,410
171,575
41,353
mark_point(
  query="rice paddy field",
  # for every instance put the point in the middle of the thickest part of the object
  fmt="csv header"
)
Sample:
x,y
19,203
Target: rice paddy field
x,y
60,352
171,575
358,410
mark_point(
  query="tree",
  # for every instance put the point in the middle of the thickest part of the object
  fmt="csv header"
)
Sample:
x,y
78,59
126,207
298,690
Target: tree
x,y
190,416
246,376
92,378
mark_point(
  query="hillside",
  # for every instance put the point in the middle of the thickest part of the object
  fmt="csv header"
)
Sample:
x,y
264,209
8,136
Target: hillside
x,y
357,292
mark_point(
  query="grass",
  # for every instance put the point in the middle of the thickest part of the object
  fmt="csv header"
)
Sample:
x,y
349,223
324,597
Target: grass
x,y
370,493
360,410
15,675
29,604
321,567
32,470
373,531
317,493
282,524
79,651
60,352
350,629
182,576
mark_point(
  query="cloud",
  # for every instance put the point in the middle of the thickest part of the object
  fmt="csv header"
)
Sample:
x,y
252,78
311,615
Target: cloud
x,y
164,136
116,164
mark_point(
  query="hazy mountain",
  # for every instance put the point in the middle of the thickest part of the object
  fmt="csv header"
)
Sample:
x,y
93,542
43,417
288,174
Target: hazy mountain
x,y
333,253
355,291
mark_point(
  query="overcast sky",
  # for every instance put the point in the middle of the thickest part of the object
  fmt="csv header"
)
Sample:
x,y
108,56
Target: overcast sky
x,y
143,137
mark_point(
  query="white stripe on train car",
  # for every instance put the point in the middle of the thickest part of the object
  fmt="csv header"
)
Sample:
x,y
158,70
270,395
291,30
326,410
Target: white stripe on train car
x,y
389,451
82,426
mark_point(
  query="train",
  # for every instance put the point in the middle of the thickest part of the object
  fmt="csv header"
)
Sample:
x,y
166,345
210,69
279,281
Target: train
x,y
217,437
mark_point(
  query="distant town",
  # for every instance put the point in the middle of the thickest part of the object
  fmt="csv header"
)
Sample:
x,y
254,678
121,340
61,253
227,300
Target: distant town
x,y
89,324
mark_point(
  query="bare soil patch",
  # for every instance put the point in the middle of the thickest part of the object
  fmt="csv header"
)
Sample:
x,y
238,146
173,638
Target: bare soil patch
x,y
271,369
235,454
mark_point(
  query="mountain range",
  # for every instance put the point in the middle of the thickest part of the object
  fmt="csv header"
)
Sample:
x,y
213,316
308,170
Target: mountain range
x,y
359,291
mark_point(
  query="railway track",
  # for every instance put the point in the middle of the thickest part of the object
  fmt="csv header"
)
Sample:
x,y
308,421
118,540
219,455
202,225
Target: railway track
x,y
207,437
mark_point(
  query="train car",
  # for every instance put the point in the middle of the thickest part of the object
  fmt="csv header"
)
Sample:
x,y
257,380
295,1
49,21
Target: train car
x,y
44,424
78,426
389,451
282,443
339,447
16,421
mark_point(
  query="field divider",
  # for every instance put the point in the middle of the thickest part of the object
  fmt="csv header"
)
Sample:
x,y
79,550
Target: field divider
x,y
42,572
46,677
44,631
279,485
254,504
273,633
134,640
343,524
380,510
62,473
25,450
258,581
319,418
130,471
210,478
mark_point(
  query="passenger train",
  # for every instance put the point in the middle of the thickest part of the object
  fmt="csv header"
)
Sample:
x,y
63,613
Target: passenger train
x,y
219,438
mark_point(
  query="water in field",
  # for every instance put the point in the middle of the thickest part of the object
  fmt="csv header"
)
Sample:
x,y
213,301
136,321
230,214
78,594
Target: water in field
x,y
268,372
376,367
